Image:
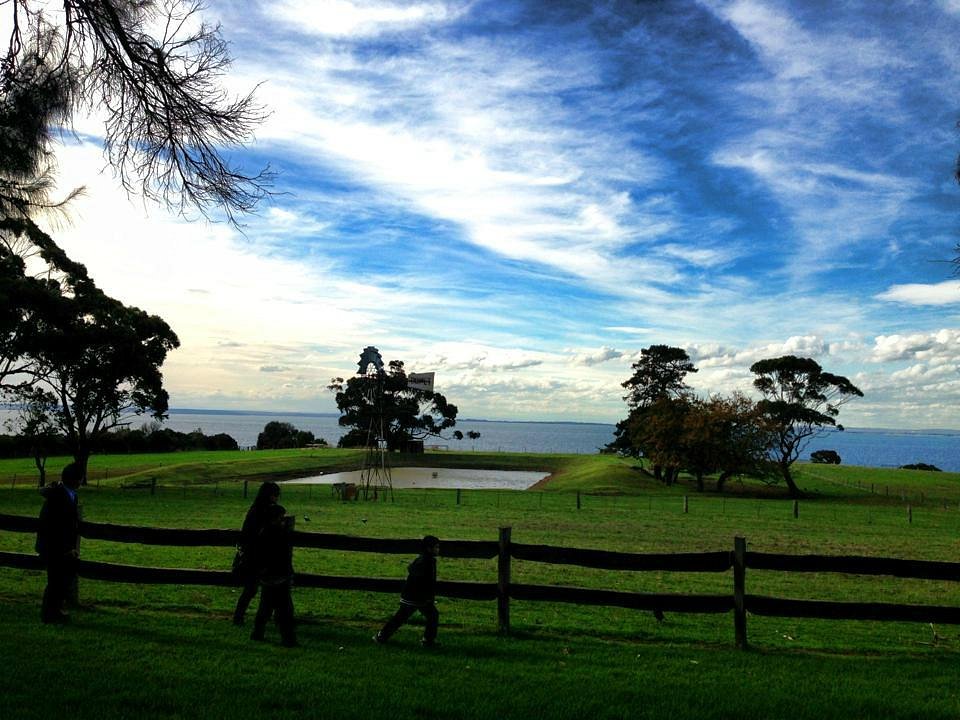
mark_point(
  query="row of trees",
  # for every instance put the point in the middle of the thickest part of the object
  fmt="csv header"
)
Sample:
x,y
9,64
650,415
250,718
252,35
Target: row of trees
x,y
150,438
727,435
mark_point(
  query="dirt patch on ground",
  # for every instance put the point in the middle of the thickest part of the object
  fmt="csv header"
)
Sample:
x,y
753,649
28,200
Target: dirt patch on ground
x,y
541,484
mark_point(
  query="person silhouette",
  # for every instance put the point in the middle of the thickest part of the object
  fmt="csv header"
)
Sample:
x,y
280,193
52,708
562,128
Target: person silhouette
x,y
274,562
419,593
267,496
58,541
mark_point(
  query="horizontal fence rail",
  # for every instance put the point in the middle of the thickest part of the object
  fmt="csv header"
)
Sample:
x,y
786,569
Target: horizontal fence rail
x,y
174,537
503,590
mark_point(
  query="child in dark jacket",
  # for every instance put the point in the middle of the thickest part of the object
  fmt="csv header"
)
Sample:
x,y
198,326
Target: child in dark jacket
x,y
418,594
274,562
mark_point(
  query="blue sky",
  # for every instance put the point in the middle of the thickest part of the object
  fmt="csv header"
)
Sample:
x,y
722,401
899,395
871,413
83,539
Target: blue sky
x,y
521,196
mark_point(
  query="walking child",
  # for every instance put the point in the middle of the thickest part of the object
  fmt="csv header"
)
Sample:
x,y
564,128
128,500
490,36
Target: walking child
x,y
418,593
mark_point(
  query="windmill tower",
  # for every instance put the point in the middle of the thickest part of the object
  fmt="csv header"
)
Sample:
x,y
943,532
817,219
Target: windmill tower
x,y
375,478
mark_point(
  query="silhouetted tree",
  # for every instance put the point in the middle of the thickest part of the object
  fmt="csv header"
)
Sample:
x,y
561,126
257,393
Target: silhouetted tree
x,y
99,359
408,413
799,400
827,457
279,435
656,387
35,422
153,70
727,436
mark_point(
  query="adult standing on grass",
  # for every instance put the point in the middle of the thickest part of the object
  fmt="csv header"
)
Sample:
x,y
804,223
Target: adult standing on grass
x,y
418,593
58,541
274,560
245,566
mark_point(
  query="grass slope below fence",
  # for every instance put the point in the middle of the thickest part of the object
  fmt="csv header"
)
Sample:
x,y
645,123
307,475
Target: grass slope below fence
x,y
165,650
111,664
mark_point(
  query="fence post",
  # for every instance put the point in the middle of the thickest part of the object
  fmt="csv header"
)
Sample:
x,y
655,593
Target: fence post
x,y
245,489
686,504
796,509
910,514
458,496
739,593
503,582
153,486
578,499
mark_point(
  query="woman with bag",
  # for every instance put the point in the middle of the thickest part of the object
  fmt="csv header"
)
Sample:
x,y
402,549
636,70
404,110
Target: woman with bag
x,y
244,566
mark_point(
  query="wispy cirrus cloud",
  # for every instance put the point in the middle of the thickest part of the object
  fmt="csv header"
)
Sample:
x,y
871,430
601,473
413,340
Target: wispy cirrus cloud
x,y
522,195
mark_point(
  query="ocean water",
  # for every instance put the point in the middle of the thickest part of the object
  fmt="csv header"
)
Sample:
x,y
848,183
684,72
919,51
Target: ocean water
x,y
857,446
580,438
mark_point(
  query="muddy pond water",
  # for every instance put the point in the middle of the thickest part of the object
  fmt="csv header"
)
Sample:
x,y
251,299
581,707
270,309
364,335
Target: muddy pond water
x,y
419,477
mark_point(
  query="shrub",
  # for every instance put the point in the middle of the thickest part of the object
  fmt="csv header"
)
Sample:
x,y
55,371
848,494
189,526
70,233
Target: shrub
x,y
829,457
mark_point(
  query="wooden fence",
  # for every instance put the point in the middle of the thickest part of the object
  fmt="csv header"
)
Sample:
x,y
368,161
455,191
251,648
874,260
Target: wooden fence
x,y
504,590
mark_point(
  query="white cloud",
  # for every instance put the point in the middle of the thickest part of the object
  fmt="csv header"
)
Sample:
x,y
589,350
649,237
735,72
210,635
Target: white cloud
x,y
595,357
943,293
714,355
941,344
359,18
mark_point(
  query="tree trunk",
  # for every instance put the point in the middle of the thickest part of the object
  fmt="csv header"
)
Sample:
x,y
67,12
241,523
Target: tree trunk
x,y
41,462
722,480
699,481
81,457
791,485
658,472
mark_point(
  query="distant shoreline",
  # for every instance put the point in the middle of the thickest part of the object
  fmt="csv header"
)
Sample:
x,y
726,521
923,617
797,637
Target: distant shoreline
x,y
273,413
294,413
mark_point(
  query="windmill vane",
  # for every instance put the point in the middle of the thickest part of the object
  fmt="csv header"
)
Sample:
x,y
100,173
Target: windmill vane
x,y
370,356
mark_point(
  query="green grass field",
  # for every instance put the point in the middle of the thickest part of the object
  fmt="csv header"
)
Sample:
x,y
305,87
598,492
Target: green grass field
x,y
167,651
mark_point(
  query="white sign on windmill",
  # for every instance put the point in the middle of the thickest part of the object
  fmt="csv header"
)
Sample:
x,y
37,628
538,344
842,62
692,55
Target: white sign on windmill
x,y
421,381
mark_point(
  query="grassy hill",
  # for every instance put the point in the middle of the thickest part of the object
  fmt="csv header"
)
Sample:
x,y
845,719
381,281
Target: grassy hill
x,y
170,651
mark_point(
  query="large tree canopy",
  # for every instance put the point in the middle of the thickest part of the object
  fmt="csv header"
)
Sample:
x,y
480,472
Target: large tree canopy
x,y
799,400
277,435
659,373
152,70
408,413
657,397
724,435
95,357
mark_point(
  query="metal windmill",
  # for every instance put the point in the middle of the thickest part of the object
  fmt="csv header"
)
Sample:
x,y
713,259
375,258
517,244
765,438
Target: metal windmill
x,y
375,478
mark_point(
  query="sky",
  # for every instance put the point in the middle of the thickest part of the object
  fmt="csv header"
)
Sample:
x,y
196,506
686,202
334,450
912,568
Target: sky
x,y
519,196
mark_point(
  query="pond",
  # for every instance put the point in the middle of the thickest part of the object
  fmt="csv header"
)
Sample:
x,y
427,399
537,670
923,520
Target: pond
x,y
420,477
